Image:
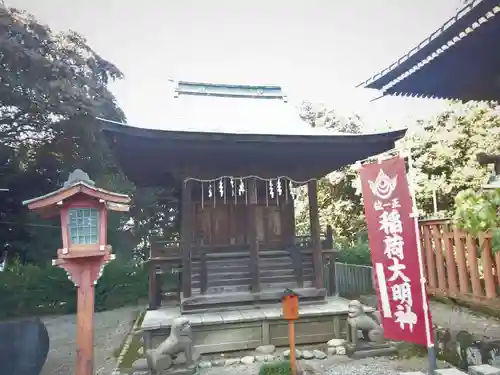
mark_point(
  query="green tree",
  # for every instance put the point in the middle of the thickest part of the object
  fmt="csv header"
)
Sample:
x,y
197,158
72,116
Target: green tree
x,y
53,86
155,213
444,151
338,202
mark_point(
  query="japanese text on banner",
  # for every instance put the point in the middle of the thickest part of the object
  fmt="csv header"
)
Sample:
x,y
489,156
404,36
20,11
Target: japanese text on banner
x,y
387,205
394,251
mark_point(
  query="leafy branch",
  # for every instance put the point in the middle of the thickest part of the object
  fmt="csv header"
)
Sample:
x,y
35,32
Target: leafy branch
x,y
477,212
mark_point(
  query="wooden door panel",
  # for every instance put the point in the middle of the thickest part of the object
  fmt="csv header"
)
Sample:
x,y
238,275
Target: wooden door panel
x,y
220,225
227,224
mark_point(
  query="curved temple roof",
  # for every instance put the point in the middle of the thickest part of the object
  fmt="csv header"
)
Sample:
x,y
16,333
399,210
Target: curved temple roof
x,y
236,134
458,61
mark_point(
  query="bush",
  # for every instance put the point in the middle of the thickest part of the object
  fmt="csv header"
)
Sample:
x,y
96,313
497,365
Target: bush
x,y
477,212
276,368
28,290
357,253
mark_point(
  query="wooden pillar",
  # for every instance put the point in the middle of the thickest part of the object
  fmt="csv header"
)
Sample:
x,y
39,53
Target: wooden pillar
x,y
290,241
252,235
290,218
312,189
329,237
186,234
84,273
203,271
153,286
85,323
332,287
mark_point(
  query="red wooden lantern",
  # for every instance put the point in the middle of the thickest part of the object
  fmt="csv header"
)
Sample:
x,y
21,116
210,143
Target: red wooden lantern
x,y
84,253
290,307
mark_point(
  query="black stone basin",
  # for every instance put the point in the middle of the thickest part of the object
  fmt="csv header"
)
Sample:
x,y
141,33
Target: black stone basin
x,y
24,345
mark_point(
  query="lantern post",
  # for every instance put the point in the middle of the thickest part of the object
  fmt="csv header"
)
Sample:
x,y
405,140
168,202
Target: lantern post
x,y
290,307
83,210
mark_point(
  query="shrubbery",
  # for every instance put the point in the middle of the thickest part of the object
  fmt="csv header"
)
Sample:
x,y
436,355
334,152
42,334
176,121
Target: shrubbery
x,y
27,290
357,253
477,212
275,368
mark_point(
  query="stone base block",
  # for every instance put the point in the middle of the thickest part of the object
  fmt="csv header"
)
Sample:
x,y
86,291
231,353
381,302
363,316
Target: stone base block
x,y
365,350
449,371
24,345
483,370
185,370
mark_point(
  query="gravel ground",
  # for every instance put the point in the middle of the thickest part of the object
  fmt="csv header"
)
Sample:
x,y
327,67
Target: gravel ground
x,y
457,318
338,365
110,329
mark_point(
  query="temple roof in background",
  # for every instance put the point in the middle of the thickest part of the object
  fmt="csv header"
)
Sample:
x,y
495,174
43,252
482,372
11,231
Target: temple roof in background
x,y
459,61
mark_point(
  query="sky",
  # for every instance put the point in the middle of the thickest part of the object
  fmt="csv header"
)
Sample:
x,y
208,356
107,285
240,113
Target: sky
x,y
318,50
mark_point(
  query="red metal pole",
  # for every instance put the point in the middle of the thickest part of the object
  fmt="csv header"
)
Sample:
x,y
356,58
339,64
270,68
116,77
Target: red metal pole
x,y
291,339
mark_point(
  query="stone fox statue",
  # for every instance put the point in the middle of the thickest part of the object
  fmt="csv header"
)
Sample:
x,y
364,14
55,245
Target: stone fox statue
x,y
358,320
179,341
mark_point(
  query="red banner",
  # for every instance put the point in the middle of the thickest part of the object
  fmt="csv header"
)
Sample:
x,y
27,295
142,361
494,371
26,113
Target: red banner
x,y
395,257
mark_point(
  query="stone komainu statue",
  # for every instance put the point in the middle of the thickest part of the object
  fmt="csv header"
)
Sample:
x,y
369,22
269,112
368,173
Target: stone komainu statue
x,y
358,320
179,341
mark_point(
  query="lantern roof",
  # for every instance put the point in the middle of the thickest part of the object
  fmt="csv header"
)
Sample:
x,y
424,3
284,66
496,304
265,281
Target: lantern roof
x,y
78,183
289,293
458,61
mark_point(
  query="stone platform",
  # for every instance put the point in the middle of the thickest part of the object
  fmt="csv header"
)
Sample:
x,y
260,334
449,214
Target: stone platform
x,y
248,328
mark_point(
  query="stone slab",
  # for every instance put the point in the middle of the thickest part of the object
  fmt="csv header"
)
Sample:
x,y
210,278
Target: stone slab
x,y
483,370
191,370
163,317
248,328
375,352
449,371
412,373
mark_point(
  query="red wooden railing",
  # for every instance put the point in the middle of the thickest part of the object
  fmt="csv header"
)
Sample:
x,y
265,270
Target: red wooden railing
x,y
459,265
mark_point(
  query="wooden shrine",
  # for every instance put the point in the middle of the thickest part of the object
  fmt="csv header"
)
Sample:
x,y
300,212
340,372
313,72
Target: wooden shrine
x,y
236,155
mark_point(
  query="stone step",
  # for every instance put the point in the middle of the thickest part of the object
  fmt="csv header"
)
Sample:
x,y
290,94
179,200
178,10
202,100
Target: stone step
x,y
483,370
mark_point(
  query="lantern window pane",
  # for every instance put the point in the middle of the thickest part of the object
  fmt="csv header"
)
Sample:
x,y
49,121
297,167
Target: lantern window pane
x,y
83,224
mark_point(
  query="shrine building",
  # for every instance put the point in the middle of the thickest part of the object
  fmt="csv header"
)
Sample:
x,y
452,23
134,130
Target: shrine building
x,y
237,154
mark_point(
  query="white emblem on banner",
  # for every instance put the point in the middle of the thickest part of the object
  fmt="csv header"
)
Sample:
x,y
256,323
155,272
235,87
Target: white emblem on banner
x,y
383,186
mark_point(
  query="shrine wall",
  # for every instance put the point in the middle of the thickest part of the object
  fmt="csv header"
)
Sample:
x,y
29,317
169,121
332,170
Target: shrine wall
x,y
227,224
